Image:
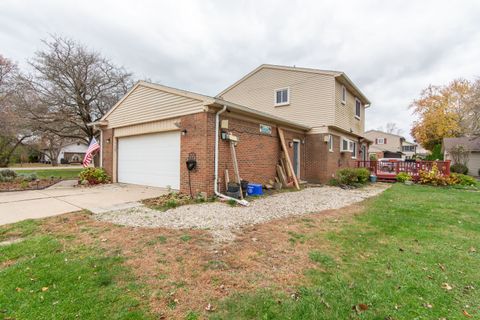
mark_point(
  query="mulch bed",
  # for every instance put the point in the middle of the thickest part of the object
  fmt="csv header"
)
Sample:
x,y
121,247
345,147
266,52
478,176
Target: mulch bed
x,y
32,185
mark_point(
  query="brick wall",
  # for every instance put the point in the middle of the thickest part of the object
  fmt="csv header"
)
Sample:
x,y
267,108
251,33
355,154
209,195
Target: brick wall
x,y
257,153
198,128
323,163
107,151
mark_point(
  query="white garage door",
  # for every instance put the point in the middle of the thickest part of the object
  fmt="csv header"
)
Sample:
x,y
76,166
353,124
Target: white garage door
x,y
151,160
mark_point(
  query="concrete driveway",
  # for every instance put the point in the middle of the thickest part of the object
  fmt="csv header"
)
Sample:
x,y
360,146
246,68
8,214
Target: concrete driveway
x,y
63,198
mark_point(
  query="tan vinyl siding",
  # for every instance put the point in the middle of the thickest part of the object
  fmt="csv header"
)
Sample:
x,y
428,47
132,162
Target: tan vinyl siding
x,y
311,95
345,113
146,104
149,127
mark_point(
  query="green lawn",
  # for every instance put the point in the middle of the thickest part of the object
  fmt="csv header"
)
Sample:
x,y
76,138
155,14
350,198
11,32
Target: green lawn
x,y
413,254
48,277
56,173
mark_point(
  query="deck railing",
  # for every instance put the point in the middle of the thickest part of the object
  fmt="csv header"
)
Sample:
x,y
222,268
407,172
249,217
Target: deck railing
x,y
390,168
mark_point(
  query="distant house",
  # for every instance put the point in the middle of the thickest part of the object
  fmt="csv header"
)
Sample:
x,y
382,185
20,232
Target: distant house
x,y
70,153
393,146
472,145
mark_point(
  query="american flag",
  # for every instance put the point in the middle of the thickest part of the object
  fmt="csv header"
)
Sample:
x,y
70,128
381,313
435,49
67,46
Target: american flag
x,y
92,148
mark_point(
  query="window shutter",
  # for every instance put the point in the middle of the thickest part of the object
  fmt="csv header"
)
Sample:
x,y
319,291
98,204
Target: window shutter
x,y
385,140
376,141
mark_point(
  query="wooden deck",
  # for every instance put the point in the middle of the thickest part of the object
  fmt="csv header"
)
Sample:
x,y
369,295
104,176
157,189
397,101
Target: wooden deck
x,y
388,170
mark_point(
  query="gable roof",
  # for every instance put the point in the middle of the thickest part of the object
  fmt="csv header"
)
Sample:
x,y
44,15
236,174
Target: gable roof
x,y
206,101
471,143
383,132
341,76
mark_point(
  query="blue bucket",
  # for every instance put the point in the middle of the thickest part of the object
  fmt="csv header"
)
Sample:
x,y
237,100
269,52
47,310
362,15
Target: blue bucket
x,y
254,189
373,178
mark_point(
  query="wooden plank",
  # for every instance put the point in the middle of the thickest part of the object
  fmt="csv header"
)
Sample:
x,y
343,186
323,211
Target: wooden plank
x,y
281,176
285,167
235,166
227,179
287,157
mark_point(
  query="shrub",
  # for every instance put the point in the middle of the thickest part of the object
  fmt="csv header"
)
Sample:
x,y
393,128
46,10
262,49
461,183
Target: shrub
x,y
7,175
435,177
459,168
353,176
403,176
29,177
93,176
464,180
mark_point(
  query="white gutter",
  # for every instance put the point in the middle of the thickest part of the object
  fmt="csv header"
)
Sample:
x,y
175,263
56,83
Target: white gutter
x,y
215,183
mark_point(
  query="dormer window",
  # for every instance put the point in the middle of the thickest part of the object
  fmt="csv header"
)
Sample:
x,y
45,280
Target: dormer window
x,y
344,95
282,97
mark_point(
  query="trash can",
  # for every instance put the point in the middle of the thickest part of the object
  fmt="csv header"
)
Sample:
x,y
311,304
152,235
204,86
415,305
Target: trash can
x,y
254,189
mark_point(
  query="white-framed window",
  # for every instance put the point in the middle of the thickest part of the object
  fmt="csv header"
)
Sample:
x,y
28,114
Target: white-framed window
x,y
282,96
358,108
380,140
330,143
344,95
346,145
353,147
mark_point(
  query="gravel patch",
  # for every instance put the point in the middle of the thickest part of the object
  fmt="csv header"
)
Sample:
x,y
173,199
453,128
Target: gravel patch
x,y
222,219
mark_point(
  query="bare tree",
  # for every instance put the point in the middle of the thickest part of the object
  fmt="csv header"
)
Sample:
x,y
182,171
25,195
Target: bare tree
x,y
471,120
460,154
49,145
393,128
73,86
13,127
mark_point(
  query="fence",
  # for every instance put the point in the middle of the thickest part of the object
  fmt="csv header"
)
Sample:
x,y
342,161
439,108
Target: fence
x,y
388,169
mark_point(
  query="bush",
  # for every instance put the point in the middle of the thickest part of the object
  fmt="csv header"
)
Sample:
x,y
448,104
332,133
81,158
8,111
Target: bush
x,y
464,180
459,168
353,176
7,175
93,176
435,177
403,176
29,177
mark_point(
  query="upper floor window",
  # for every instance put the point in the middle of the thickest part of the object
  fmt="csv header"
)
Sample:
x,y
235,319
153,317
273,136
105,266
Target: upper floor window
x,y
381,140
344,95
282,96
358,108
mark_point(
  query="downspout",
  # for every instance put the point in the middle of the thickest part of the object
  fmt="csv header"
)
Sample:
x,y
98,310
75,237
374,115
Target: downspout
x,y
215,183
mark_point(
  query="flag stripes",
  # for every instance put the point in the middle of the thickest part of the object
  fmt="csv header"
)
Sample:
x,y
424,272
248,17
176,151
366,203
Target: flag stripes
x,y
92,148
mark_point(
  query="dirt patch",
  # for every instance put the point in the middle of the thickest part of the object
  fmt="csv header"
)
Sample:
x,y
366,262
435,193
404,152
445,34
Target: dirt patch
x,y
186,270
10,241
27,185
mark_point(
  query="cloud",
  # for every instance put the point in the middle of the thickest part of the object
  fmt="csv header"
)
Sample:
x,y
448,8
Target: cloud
x,y
390,49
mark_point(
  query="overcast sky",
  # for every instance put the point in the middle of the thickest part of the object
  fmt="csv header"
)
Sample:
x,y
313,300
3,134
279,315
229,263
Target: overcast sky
x,y
390,49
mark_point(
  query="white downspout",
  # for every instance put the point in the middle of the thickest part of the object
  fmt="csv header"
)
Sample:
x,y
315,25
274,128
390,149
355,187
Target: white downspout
x,y
215,183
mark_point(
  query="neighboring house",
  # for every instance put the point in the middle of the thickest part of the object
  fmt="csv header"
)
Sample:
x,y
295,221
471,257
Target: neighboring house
x,y
149,134
71,153
385,145
472,145
409,149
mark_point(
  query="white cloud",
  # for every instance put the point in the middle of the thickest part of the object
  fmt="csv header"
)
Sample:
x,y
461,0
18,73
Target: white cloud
x,y
391,49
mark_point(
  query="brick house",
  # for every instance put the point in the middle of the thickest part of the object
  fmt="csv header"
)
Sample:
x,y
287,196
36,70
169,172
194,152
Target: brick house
x,y
149,134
